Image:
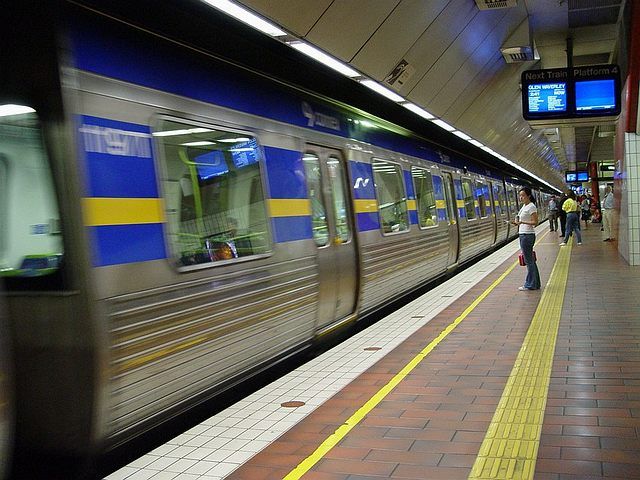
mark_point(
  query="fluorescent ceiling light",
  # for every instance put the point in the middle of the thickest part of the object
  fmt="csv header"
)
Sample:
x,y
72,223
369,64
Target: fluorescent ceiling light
x,y
325,59
462,135
476,143
385,92
243,149
197,144
234,140
443,124
10,109
182,131
246,16
417,110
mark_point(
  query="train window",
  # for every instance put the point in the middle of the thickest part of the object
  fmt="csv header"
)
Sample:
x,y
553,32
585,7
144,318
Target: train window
x,y
318,212
513,205
392,201
469,199
213,191
498,192
31,245
482,196
339,187
425,197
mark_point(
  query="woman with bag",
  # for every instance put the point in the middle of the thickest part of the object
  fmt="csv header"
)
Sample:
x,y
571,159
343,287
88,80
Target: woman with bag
x,y
527,220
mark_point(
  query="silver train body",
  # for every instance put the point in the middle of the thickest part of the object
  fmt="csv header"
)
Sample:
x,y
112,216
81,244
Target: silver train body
x,y
180,245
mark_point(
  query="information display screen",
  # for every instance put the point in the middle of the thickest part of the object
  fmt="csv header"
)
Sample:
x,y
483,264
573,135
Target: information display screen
x,y
582,176
570,177
547,97
583,92
595,95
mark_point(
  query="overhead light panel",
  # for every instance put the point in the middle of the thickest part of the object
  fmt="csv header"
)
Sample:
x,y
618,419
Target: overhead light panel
x,y
325,59
462,135
417,110
10,109
476,143
246,16
443,124
385,92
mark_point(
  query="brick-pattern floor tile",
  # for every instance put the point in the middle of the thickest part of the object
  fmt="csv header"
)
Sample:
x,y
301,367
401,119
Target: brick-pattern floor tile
x,y
432,424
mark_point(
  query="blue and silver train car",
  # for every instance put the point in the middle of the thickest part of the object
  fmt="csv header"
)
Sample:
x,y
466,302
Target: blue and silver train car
x,y
171,224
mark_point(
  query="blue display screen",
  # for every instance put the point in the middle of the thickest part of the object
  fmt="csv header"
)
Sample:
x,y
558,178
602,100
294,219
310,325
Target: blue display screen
x,y
211,164
244,154
571,176
582,176
595,95
547,97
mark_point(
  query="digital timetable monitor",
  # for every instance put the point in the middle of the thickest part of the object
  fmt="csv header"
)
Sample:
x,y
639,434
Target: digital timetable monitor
x,y
583,92
576,176
595,95
547,97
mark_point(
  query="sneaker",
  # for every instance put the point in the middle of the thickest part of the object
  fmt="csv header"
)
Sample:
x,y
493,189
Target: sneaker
x,y
563,244
606,240
522,289
579,243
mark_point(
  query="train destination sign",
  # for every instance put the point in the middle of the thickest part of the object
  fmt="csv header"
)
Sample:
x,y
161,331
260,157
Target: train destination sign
x,y
571,93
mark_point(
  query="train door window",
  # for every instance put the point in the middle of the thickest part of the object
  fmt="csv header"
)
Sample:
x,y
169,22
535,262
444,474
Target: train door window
x,y
392,200
469,199
498,194
513,204
425,197
31,244
215,204
340,207
318,211
481,195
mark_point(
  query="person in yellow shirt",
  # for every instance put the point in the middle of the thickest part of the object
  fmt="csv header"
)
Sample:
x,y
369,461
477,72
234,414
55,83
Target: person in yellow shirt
x,y
573,218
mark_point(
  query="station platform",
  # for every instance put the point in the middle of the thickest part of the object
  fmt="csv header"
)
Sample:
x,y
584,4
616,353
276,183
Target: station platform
x,y
475,379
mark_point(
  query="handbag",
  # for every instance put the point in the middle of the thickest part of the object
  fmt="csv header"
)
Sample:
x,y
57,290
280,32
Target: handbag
x,y
521,259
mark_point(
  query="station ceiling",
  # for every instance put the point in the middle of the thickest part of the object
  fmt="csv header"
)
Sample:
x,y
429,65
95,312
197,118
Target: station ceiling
x,y
457,69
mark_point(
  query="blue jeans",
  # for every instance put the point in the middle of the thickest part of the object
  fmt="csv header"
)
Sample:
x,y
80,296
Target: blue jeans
x,y
532,281
573,225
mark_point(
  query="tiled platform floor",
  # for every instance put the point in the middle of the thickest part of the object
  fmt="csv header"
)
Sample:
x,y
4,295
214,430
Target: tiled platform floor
x,y
432,425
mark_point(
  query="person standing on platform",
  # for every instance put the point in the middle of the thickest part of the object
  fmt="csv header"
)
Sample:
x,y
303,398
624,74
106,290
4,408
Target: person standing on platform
x,y
585,206
553,213
562,215
571,207
607,214
527,220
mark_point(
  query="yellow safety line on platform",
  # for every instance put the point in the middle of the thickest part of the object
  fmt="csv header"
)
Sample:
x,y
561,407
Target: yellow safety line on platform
x,y
357,417
510,447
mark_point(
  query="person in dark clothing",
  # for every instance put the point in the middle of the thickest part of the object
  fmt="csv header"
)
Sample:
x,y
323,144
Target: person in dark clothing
x,y
562,215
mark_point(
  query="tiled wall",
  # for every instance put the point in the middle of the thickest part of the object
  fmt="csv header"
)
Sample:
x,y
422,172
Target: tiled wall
x,y
629,226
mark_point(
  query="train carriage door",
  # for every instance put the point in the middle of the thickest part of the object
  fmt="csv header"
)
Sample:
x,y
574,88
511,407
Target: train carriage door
x,y
332,223
452,214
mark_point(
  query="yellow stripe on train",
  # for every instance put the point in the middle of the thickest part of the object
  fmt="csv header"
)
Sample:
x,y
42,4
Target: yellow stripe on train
x,y
122,211
411,204
369,205
440,204
289,207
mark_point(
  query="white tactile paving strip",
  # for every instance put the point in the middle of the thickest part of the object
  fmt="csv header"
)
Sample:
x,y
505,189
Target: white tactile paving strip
x,y
219,445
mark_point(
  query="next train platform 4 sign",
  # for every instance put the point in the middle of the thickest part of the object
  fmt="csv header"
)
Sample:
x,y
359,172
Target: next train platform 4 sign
x,y
573,93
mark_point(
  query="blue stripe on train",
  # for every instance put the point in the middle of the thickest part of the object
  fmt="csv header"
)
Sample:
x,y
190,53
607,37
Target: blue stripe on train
x,y
288,229
116,244
285,171
368,221
118,157
362,176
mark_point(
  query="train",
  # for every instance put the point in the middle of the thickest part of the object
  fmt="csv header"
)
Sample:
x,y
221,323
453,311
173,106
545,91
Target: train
x,y
172,224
